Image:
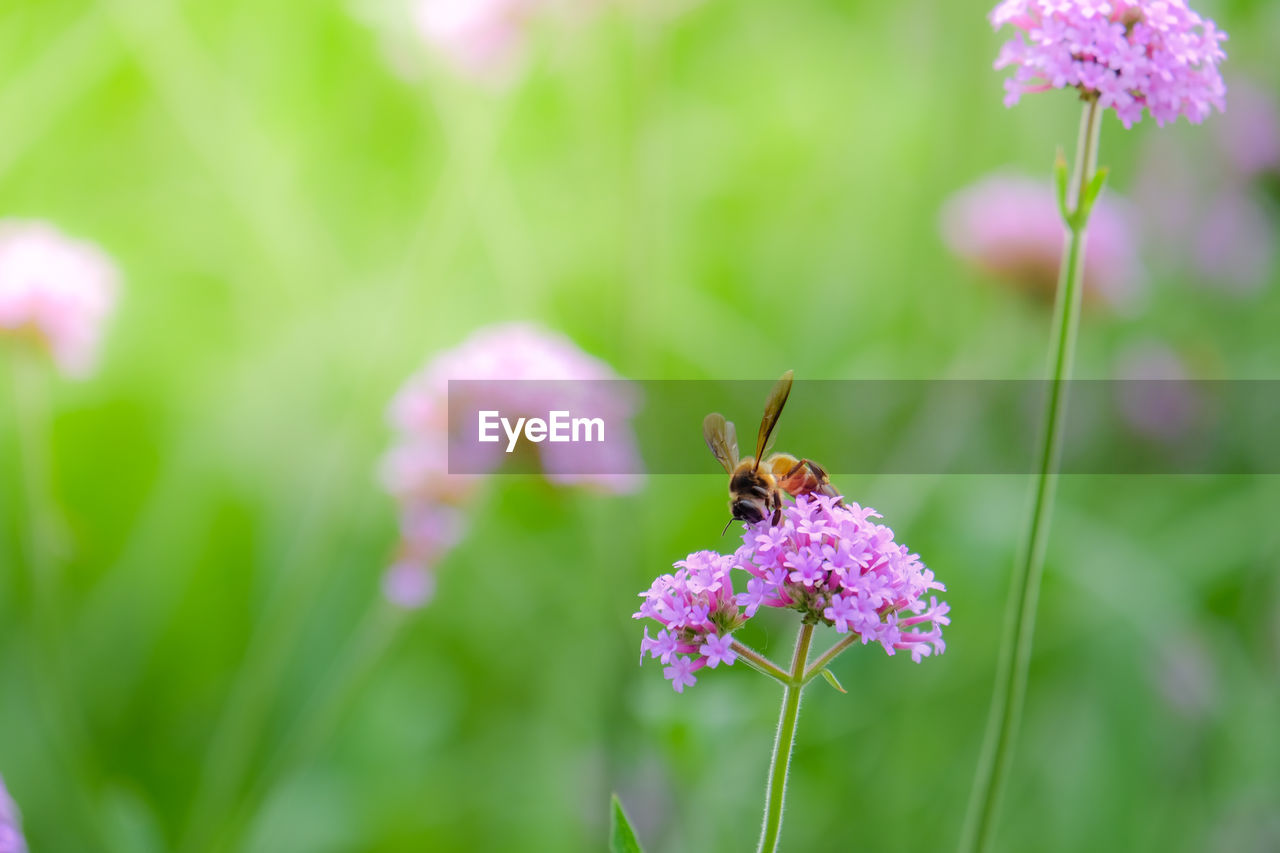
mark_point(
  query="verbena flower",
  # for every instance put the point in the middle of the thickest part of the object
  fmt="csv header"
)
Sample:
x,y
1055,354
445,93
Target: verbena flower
x,y
433,503
835,565
1153,55
11,840
1009,227
830,561
698,610
56,292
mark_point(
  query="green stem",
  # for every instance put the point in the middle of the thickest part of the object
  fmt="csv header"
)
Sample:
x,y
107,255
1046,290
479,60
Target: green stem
x,y
777,789
70,749
1020,618
829,655
317,719
30,408
761,663
234,741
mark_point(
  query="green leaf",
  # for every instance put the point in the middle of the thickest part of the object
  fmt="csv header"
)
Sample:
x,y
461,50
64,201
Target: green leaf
x,y
833,681
622,838
1080,219
1095,187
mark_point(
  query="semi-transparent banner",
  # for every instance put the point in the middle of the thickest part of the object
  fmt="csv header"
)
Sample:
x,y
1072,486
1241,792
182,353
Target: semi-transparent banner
x,y
615,427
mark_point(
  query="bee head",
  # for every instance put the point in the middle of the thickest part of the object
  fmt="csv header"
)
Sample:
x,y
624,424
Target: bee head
x,y
748,511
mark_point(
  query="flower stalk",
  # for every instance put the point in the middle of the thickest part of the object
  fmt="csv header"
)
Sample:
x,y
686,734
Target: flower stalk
x,y
760,663
1020,619
777,789
828,656
40,529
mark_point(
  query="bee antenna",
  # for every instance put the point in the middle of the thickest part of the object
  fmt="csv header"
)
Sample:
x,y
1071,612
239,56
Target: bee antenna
x,y
726,526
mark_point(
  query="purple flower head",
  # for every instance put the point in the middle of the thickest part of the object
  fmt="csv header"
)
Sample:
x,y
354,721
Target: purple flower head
x,y
415,471
55,292
830,561
848,572
1009,227
11,840
1132,55
697,609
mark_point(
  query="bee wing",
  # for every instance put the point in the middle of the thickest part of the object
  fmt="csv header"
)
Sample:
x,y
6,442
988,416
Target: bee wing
x,y
773,439
772,411
722,439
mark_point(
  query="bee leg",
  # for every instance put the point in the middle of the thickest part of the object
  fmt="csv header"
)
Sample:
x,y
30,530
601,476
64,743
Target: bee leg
x,y
795,469
777,508
825,486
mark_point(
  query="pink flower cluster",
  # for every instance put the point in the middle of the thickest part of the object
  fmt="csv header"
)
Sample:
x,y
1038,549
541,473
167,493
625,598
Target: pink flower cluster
x,y
11,840
1009,226
698,610
1131,55
433,502
54,291
828,560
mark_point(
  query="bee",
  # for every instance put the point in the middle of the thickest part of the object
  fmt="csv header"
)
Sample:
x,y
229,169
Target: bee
x,y
756,484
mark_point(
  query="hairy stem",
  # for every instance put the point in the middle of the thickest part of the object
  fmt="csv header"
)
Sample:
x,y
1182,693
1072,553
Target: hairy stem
x,y
777,789
1020,618
829,655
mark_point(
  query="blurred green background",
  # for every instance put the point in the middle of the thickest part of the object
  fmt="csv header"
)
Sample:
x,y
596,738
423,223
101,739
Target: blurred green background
x,y
723,190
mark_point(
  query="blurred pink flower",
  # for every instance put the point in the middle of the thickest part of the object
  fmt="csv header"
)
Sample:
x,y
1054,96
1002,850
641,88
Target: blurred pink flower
x,y
1235,245
1249,133
11,840
1009,226
1204,213
1156,399
478,38
409,585
1132,55
56,292
415,471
